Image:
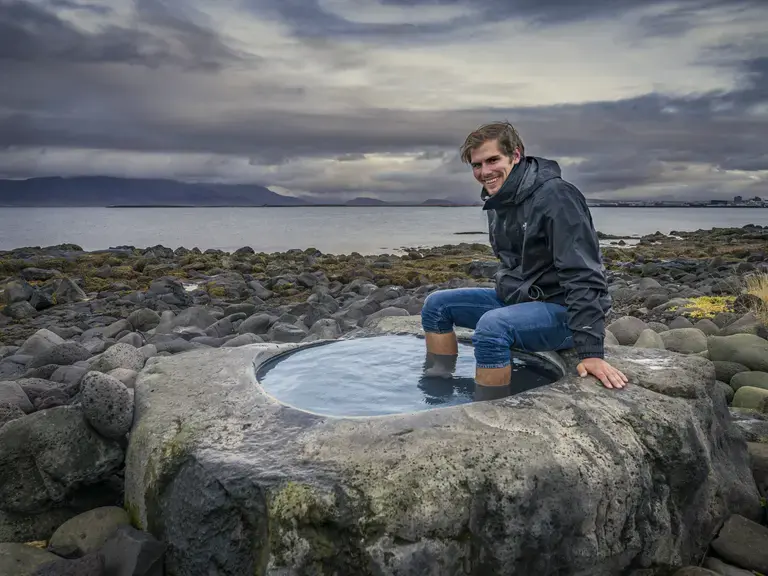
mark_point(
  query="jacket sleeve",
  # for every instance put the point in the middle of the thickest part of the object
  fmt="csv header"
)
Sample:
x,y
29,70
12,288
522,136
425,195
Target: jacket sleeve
x,y
576,255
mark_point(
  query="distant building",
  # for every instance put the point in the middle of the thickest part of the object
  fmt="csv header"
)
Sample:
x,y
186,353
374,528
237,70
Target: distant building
x,y
738,199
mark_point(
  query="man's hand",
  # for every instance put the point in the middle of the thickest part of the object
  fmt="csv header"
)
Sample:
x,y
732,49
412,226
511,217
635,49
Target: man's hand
x,y
607,374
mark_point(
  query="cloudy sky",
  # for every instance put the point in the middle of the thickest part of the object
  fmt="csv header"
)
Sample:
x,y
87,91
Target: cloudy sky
x,y
345,98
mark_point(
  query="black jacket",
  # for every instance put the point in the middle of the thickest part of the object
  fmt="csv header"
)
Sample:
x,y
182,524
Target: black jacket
x,y
541,230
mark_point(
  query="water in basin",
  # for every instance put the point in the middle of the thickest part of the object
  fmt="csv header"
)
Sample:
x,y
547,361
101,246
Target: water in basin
x,y
380,375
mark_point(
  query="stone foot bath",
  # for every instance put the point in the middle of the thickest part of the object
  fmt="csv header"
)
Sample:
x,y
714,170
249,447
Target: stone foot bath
x,y
240,476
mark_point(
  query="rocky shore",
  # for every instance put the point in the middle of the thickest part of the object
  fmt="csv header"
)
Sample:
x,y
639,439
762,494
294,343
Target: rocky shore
x,y
76,329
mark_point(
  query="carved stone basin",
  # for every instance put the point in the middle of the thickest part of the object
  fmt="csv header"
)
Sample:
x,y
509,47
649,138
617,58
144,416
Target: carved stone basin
x,y
566,478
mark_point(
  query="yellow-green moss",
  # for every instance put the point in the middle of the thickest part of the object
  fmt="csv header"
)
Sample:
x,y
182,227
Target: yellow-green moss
x,y
215,290
96,284
122,272
160,469
297,504
133,515
707,306
298,510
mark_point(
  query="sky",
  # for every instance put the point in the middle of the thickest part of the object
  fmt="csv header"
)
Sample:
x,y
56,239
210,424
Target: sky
x,y
346,98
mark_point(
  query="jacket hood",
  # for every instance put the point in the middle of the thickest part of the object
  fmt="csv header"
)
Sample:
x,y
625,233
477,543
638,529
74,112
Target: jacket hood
x,y
524,179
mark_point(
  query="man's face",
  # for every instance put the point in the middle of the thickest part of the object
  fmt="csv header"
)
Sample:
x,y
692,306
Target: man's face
x,y
491,166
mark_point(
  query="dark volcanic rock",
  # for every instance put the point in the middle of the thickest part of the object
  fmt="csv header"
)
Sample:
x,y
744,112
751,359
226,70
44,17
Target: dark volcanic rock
x,y
68,292
744,543
64,354
107,404
54,444
17,291
91,565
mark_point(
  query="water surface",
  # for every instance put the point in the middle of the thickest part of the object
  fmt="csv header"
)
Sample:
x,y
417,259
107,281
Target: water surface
x,y
376,376
334,230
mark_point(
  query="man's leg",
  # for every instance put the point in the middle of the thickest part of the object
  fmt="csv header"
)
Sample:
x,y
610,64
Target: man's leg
x,y
442,311
530,326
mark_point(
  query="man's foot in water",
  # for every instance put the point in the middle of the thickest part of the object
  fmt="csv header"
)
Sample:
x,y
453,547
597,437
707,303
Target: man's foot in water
x,y
440,365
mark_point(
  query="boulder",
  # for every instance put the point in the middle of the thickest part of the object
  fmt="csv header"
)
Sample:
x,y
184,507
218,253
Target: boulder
x,y
68,292
726,390
751,398
118,356
46,456
649,339
743,542
684,340
12,394
64,354
758,453
747,324
707,326
22,560
722,569
627,329
91,565
107,404
10,412
746,349
566,478
39,342
87,532
130,552
144,319
19,310
127,377
753,379
726,370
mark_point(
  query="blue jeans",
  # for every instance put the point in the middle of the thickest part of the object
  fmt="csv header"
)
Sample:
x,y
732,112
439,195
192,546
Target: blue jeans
x,y
530,326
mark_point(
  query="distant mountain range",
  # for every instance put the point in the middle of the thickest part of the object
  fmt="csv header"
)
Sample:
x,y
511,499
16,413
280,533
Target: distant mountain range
x,y
131,192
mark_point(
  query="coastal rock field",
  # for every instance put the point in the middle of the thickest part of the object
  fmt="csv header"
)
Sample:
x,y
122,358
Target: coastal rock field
x,y
78,328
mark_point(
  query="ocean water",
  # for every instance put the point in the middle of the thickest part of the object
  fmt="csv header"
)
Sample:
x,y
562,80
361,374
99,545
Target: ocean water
x,y
334,230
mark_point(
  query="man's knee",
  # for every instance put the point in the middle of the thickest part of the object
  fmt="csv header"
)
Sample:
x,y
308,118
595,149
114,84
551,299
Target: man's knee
x,y
491,328
491,341
433,316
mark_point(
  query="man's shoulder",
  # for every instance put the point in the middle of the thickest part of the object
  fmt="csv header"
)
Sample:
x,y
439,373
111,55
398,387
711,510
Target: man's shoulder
x,y
556,192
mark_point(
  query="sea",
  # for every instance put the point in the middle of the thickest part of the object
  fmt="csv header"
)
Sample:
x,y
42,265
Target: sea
x,y
332,230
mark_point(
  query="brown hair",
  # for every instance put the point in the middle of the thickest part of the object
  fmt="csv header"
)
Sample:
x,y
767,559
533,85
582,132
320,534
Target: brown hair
x,y
503,132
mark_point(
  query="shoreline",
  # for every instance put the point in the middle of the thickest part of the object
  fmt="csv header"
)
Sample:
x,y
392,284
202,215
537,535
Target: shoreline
x,y
77,329
367,206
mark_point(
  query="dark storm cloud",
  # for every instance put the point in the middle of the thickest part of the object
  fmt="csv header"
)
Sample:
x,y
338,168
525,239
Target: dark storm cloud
x,y
31,34
308,18
69,91
93,8
690,130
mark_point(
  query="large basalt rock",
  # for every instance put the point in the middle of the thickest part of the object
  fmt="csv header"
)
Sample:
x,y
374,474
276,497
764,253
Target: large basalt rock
x,y
570,478
47,456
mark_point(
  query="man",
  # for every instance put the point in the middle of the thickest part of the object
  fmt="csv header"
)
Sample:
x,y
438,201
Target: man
x,y
551,290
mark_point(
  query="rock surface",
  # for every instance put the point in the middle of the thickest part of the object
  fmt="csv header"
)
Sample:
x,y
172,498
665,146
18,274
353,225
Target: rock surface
x,y
570,476
46,456
744,543
107,404
22,560
87,532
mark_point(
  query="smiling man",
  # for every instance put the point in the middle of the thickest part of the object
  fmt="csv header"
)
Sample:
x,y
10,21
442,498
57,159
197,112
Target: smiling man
x,y
551,292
